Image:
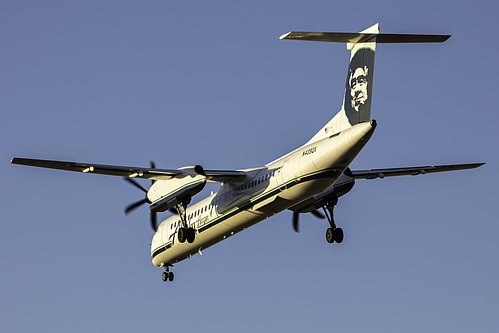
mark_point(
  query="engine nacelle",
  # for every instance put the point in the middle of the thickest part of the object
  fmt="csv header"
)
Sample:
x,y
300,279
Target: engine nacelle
x,y
166,194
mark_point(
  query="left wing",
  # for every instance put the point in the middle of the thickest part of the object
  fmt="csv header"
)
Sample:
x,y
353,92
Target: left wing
x,y
129,172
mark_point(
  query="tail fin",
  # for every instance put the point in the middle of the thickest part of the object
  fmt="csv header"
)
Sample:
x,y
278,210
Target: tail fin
x,y
356,106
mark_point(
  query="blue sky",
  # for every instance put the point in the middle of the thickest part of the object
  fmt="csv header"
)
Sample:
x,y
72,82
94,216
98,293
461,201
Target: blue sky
x,y
210,83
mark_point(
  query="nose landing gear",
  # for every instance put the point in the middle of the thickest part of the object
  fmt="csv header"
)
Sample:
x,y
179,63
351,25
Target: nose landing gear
x,y
167,275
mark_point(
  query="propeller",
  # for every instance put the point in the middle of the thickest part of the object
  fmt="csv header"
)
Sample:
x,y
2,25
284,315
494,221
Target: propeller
x,y
134,205
296,215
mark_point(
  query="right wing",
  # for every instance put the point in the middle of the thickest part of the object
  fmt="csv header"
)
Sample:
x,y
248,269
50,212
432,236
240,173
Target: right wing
x,y
347,180
412,171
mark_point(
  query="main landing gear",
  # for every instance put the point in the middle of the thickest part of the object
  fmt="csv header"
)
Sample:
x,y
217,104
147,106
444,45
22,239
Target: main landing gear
x,y
333,234
167,275
184,233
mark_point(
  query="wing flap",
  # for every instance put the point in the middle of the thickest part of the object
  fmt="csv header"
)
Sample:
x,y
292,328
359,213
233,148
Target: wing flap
x,y
224,176
411,171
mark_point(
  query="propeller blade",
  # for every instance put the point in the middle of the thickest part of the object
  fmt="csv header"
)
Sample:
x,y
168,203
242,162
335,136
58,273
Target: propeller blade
x,y
137,185
318,214
135,205
295,221
154,217
153,166
139,203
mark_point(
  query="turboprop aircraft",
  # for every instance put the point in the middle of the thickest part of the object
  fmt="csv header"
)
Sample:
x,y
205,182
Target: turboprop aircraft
x,y
309,178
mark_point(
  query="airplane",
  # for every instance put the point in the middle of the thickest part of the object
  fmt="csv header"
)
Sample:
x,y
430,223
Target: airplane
x,y
307,179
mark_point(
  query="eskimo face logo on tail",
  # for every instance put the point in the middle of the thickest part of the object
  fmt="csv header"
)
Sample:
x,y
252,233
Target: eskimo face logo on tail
x,y
359,86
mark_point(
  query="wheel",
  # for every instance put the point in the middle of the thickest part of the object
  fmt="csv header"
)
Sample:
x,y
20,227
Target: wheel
x,y
170,276
182,235
330,235
191,234
164,276
338,235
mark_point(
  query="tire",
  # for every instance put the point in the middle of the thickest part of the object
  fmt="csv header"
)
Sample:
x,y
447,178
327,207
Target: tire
x,y
338,235
191,234
181,235
164,276
330,235
170,276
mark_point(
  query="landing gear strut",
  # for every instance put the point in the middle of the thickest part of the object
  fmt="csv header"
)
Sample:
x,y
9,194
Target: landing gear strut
x,y
333,234
167,275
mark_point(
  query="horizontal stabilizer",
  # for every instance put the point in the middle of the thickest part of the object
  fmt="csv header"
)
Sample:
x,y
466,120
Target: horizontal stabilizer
x,y
359,37
412,171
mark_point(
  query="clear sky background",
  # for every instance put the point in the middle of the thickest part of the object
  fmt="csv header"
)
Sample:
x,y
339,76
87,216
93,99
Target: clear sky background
x,y
210,83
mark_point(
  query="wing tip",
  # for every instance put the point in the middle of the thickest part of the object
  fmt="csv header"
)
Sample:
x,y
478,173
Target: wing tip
x,y
285,35
17,160
477,165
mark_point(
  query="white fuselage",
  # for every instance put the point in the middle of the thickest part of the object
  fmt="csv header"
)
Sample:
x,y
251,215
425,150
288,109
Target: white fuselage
x,y
266,191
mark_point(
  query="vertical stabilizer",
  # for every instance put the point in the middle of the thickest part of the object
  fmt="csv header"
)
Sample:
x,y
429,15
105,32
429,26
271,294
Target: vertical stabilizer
x,y
359,83
356,106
